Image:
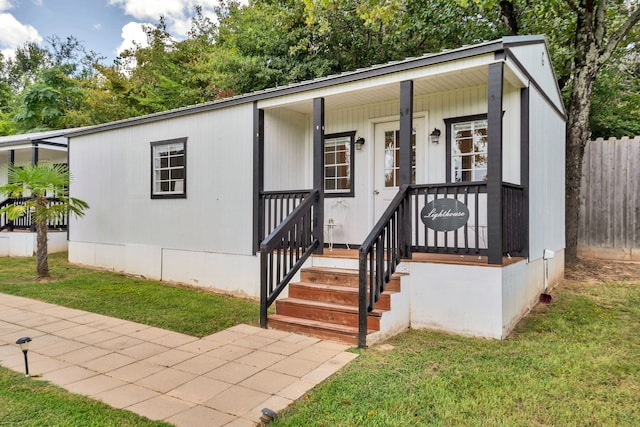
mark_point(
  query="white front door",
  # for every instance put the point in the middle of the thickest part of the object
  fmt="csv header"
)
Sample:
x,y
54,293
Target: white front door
x,y
387,158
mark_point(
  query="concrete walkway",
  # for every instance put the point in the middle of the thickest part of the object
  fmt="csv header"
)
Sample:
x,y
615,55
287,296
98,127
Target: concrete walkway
x,y
224,379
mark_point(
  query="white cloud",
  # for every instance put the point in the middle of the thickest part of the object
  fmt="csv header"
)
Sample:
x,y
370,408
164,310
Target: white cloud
x,y
177,13
5,5
14,34
132,34
97,27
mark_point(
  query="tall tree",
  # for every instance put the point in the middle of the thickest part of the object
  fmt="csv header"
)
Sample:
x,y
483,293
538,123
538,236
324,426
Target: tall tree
x,y
585,36
38,183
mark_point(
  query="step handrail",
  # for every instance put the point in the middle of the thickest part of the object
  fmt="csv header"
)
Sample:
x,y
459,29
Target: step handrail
x,y
285,250
379,254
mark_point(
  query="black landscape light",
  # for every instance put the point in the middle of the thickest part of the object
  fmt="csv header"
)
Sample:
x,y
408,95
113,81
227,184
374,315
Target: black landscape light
x,y
24,346
267,416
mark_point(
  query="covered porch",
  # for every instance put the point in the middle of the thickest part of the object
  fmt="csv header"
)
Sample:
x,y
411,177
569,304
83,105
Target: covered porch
x,y
17,237
437,162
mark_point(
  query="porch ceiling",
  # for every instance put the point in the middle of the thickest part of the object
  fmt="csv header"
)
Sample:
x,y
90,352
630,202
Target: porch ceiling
x,y
367,94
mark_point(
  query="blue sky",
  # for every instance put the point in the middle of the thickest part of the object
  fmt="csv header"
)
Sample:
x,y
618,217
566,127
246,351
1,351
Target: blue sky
x,y
104,26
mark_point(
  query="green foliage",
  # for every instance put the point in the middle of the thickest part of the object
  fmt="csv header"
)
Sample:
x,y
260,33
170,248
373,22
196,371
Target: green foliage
x,y
47,103
270,43
616,101
39,183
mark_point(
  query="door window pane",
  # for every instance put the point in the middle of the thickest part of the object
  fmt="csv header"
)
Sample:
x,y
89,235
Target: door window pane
x,y
392,158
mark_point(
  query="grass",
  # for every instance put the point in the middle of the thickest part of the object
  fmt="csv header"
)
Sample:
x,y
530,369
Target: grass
x,y
187,310
29,403
575,362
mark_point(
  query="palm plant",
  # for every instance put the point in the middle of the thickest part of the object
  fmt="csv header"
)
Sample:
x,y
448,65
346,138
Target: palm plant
x,y
45,186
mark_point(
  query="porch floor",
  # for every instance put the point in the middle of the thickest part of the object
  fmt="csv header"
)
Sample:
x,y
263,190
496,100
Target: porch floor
x,y
424,257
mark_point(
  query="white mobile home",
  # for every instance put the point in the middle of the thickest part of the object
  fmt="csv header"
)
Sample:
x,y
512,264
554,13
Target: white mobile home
x,y
427,190
18,238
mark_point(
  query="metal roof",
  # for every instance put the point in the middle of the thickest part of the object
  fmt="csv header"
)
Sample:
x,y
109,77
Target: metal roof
x,y
38,137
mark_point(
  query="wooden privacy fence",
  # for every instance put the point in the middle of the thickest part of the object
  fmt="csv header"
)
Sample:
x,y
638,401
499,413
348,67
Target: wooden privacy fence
x,y
610,200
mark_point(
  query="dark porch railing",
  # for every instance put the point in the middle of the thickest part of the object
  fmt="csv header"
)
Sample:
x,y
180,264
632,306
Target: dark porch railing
x,y
287,247
400,232
514,228
468,239
25,222
276,206
379,255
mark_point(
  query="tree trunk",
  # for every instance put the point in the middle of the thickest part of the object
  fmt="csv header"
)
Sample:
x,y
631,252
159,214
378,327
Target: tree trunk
x,y
586,64
42,248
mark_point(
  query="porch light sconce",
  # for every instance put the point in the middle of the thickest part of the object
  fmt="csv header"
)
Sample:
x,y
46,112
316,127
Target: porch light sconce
x,y
435,136
24,346
359,143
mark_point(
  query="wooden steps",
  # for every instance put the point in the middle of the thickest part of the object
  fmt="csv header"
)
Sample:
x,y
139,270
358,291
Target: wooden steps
x,y
324,304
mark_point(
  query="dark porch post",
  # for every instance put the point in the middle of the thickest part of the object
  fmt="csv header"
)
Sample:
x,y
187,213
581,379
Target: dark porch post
x,y
494,175
258,177
12,160
406,160
318,170
406,129
34,154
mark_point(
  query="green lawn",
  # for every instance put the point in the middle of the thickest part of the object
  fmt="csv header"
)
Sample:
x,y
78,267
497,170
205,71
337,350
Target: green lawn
x,y
573,362
187,310
29,402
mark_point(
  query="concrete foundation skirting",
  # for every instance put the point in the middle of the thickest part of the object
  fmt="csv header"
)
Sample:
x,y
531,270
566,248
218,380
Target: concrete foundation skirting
x,y
613,254
23,243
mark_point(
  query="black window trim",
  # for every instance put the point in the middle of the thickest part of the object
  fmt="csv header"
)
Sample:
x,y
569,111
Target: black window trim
x,y
448,124
183,141
352,137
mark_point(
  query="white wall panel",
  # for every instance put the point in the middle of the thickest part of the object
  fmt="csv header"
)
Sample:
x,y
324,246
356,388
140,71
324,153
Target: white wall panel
x,y
547,178
460,299
110,256
143,260
537,63
511,135
287,150
82,253
23,244
112,172
235,274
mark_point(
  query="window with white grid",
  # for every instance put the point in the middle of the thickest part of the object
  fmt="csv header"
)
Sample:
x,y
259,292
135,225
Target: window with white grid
x,y
169,170
469,151
338,164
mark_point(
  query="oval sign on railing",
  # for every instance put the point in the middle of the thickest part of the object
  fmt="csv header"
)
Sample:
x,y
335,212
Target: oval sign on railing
x,y
444,214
